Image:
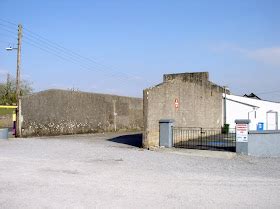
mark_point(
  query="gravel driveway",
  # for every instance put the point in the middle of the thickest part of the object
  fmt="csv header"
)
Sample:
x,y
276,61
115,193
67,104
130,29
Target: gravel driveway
x,y
110,171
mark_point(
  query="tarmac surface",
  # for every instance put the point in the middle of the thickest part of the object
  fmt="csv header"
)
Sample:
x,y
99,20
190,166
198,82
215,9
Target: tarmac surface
x,y
110,171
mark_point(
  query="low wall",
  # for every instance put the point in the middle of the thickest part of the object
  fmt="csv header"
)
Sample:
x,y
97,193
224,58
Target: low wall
x,y
55,112
4,133
264,143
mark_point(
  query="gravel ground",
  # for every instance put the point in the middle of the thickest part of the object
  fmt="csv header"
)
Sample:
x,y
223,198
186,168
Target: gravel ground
x,y
104,171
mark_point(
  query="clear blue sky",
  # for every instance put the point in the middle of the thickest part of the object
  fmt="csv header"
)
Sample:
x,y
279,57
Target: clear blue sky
x,y
133,43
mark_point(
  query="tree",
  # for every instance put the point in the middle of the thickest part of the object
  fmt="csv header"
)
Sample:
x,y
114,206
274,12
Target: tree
x,y
8,90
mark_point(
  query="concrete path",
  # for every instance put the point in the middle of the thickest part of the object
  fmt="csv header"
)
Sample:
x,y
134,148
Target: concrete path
x,y
110,171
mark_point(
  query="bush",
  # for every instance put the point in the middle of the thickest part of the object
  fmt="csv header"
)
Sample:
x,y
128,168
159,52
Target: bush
x,y
225,129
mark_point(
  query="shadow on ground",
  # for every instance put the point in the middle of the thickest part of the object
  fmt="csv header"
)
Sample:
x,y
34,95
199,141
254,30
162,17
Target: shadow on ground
x,y
131,139
205,141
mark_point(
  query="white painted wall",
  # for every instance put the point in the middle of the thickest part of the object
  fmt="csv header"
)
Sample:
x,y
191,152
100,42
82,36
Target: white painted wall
x,y
238,107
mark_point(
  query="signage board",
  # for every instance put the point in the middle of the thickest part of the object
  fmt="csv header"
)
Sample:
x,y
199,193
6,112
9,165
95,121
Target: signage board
x,y
241,132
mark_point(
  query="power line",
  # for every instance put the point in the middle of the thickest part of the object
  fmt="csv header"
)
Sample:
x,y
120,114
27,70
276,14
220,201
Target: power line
x,y
77,57
66,51
66,59
7,30
72,53
50,50
38,44
8,26
61,52
9,22
2,41
6,38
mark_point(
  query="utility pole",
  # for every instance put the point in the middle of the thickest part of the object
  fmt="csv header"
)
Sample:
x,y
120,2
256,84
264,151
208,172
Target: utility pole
x,y
8,86
18,123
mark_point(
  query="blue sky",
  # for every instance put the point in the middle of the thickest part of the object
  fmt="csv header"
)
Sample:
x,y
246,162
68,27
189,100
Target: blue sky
x,y
131,44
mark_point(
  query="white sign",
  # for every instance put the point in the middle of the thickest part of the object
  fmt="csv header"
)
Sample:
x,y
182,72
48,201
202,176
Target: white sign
x,y
241,132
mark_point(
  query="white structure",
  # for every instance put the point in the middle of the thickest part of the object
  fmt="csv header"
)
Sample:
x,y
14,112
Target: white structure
x,y
260,112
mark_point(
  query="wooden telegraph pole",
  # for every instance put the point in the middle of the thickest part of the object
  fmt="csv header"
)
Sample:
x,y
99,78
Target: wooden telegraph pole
x,y
18,122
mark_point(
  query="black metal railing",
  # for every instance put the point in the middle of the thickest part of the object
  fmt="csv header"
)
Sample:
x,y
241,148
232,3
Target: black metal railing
x,y
206,139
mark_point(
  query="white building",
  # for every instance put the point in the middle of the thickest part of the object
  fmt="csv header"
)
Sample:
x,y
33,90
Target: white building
x,y
260,112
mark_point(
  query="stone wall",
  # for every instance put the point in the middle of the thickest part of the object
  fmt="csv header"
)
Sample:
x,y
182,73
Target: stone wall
x,y
55,112
200,104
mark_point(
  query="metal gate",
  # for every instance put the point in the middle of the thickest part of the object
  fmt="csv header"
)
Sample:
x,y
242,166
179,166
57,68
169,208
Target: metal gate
x,y
205,139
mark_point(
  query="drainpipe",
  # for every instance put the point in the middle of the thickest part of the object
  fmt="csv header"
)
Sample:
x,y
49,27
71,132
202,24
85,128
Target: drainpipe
x,y
255,113
225,104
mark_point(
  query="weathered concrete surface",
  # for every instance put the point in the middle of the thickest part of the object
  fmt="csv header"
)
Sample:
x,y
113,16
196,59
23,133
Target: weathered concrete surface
x,y
200,104
6,121
95,171
199,153
55,112
264,143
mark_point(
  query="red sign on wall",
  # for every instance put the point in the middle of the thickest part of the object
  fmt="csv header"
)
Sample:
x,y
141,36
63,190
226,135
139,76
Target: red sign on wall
x,y
176,103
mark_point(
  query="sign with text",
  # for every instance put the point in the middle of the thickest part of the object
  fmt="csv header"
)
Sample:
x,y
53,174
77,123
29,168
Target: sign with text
x,y
241,132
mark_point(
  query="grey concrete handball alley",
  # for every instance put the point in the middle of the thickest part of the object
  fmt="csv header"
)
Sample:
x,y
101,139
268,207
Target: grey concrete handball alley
x,y
56,112
104,171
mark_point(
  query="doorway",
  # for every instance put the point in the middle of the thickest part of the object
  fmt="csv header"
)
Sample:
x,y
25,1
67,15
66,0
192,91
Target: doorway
x,y
272,120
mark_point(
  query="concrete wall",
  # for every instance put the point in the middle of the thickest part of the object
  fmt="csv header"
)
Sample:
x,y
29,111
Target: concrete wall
x,y
264,144
238,107
200,104
55,112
